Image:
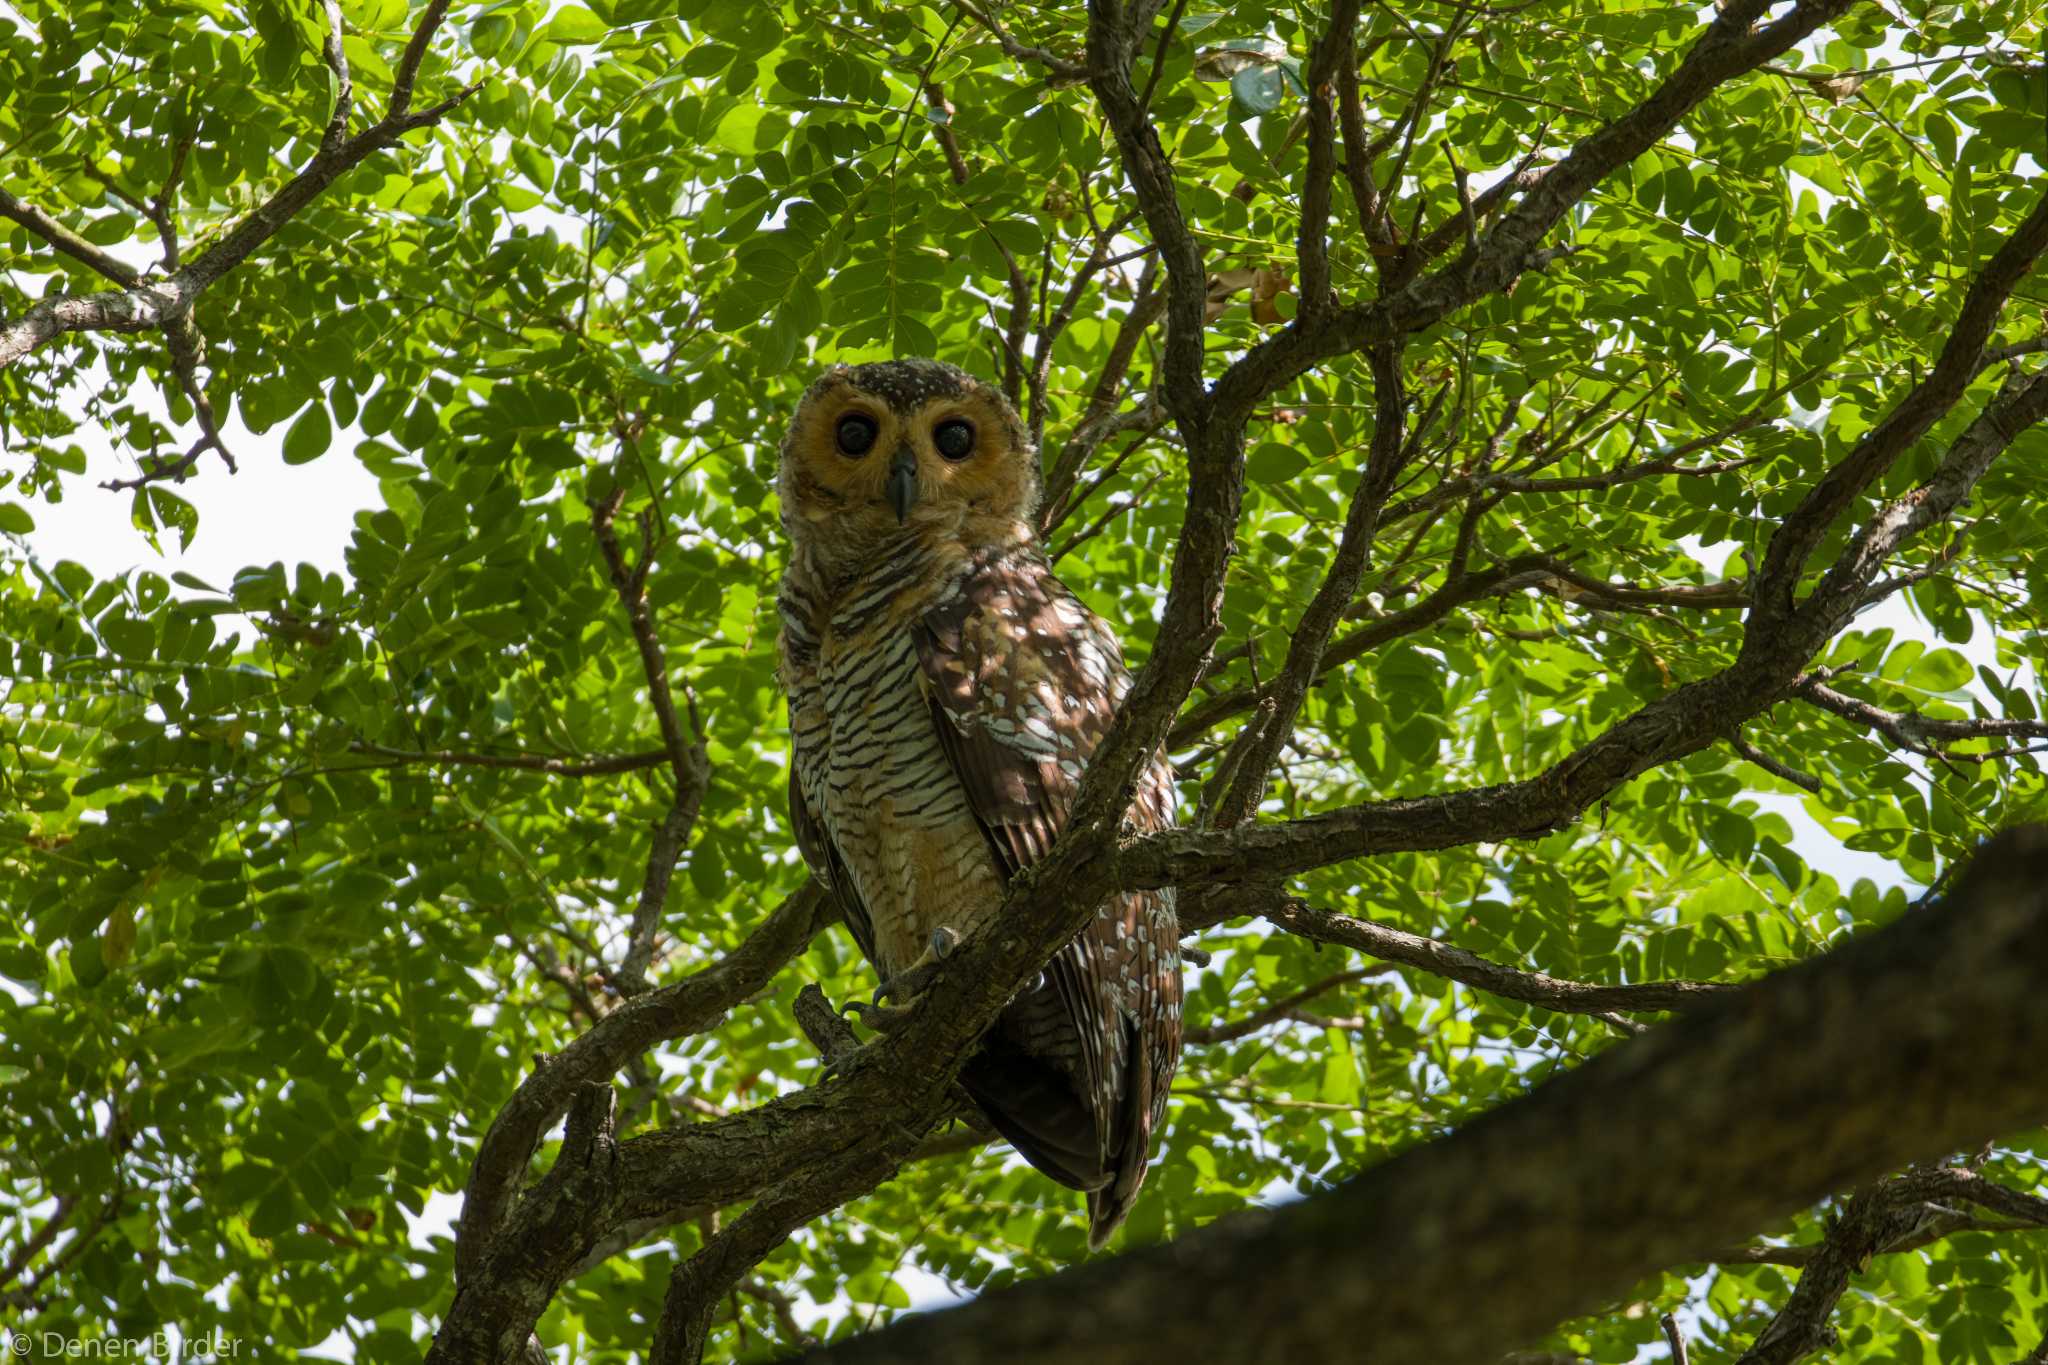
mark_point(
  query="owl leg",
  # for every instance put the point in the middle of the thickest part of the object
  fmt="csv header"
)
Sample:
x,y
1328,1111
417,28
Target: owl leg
x,y
906,985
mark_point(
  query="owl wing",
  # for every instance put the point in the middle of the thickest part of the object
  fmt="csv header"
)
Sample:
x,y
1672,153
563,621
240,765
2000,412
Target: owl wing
x,y
1024,682
823,859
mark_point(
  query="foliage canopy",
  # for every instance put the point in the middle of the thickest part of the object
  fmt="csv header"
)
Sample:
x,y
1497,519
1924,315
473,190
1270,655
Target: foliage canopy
x,y
288,914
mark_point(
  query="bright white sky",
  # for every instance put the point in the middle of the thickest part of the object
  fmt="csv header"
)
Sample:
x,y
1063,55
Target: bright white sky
x,y
267,511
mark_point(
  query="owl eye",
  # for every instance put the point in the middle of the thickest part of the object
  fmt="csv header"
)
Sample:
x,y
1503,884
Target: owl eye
x,y
955,439
856,434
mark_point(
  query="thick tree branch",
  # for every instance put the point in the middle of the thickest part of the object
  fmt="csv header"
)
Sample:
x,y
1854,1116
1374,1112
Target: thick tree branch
x,y
1111,38
1999,355
141,309
1332,51
1360,150
1872,1220
1559,1201
2021,401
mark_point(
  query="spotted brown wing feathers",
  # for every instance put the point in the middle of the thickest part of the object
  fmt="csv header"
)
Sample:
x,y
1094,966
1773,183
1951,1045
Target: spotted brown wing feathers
x,y
1023,683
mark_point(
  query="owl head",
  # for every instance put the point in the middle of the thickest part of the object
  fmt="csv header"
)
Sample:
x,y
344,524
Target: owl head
x,y
904,447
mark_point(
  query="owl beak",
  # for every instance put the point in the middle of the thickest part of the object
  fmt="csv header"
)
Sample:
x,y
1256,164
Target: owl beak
x,y
902,485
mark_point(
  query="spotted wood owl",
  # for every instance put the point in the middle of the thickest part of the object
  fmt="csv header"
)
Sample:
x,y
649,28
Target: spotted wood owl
x,y
945,691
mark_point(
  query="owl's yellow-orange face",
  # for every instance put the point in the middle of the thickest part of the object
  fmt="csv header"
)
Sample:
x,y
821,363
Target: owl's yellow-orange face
x,y
903,444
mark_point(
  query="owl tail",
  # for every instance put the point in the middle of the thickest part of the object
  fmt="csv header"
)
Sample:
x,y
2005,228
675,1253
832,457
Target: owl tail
x,y
1108,1205
1034,1107
1032,1103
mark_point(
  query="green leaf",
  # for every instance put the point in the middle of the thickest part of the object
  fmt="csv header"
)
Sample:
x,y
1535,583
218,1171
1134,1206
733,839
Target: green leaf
x,y
309,436
1274,463
575,25
173,511
1940,670
1258,88
1340,1069
489,34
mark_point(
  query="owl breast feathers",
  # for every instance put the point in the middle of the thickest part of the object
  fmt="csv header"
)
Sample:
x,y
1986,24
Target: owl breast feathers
x,y
945,693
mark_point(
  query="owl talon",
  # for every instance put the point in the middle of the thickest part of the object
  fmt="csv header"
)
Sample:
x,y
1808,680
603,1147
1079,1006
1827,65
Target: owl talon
x,y
877,1016
912,981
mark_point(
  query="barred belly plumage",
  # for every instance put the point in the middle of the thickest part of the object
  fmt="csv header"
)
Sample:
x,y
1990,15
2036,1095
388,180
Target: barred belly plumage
x,y
886,793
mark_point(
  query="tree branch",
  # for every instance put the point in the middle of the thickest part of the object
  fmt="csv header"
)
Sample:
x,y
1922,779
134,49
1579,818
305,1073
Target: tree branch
x,y
606,766
1796,538
690,1006
1312,248
344,91
1684,720
67,241
1912,731
1057,67
1784,772
688,759
1110,42
2021,401
1273,1013
142,305
1727,48
1259,747
1888,1216
1442,959
1452,594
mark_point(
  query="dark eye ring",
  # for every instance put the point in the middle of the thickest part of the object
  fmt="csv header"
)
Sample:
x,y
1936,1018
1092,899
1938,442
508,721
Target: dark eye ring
x,y
955,439
856,434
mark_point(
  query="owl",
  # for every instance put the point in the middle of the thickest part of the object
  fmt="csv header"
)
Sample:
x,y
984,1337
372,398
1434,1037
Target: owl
x,y
945,691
